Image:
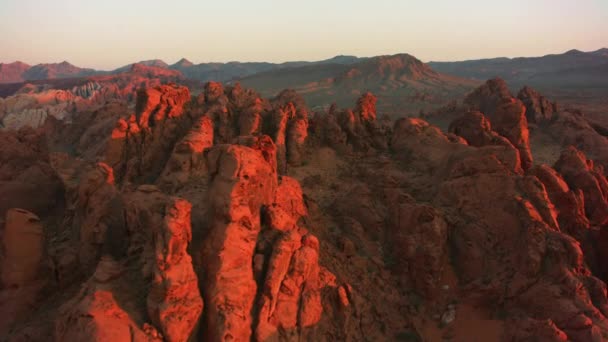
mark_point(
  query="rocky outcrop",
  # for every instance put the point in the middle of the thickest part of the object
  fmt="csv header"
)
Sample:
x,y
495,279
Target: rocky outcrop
x,y
291,297
287,207
32,104
141,145
418,237
99,218
244,180
290,128
95,314
581,174
27,179
569,204
550,259
357,129
506,114
538,108
474,127
397,231
187,159
174,301
24,265
257,257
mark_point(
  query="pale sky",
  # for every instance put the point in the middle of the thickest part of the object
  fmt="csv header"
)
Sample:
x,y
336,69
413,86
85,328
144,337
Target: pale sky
x,y
106,34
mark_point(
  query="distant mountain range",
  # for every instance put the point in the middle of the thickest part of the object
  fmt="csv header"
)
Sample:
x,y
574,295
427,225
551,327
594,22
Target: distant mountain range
x,y
402,83
18,72
570,69
580,68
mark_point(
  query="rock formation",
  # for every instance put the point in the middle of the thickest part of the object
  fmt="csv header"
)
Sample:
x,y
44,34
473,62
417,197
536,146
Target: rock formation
x,y
174,301
538,108
506,114
24,265
141,146
27,179
98,215
94,314
475,128
244,181
581,174
291,226
187,159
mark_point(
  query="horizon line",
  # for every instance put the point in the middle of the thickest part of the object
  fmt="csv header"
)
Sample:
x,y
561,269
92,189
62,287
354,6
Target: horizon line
x,y
300,61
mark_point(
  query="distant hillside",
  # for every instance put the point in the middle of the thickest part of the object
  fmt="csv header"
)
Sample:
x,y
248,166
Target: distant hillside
x,y
12,72
223,72
568,69
403,84
19,72
151,63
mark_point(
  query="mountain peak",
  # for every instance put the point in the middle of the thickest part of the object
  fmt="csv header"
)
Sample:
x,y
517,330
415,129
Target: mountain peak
x,y
573,52
154,63
601,52
183,63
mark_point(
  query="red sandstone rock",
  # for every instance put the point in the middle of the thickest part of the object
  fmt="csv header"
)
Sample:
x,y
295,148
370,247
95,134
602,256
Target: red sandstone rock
x,y
98,210
263,273
287,207
213,91
419,237
24,266
141,145
174,301
538,108
569,205
27,180
476,130
187,159
581,173
291,295
156,104
94,314
290,120
506,114
366,107
244,181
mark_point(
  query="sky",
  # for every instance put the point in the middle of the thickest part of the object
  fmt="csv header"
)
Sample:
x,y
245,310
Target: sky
x,y
106,34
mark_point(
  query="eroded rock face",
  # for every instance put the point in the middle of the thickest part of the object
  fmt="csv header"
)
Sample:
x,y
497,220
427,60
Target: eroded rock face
x,y
569,205
174,301
288,205
516,219
474,127
99,220
538,108
94,314
290,128
355,244
291,295
506,114
581,173
141,145
419,237
265,266
565,126
244,180
356,130
187,160
64,100
24,265
27,179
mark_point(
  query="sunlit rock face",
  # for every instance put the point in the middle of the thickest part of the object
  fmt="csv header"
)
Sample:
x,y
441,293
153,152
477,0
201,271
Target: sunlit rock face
x,y
227,216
